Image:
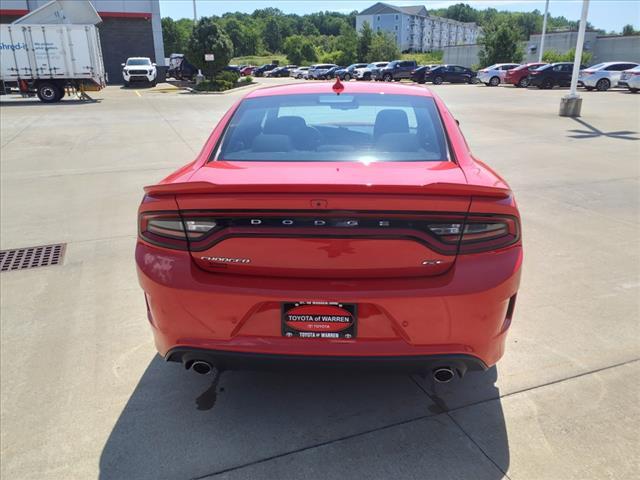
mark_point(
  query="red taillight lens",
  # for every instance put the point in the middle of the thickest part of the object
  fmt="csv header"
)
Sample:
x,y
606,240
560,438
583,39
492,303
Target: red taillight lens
x,y
170,230
479,234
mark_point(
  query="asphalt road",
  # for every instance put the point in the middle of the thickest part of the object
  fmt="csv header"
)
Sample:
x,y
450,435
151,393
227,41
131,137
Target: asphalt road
x,y
84,395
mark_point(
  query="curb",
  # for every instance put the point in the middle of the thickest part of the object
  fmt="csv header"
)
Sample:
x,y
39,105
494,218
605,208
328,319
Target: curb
x,y
243,87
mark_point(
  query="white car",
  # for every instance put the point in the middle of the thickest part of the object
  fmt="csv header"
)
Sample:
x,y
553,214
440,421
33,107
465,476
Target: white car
x,y
299,72
494,75
630,79
603,76
139,69
366,73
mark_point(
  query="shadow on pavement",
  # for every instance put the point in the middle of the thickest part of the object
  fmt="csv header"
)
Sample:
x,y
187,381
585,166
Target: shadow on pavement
x,y
593,132
177,425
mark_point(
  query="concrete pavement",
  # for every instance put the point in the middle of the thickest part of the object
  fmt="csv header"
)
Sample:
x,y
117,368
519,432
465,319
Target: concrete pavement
x,y
84,396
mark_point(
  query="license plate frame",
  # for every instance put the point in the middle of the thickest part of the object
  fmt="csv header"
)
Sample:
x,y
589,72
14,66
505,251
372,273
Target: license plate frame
x,y
319,320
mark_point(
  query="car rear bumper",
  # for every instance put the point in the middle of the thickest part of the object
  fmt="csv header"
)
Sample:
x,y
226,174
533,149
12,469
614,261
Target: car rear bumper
x,y
225,360
466,311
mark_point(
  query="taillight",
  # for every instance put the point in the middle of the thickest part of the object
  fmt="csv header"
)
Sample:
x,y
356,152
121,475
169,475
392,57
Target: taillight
x,y
479,234
170,230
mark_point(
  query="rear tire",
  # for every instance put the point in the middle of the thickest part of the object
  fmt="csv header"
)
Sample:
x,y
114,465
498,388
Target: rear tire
x,y
603,85
494,81
438,80
547,84
422,81
523,83
347,77
49,92
633,90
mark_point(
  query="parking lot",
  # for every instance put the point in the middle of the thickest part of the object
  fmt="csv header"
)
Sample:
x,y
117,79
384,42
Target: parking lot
x,y
85,396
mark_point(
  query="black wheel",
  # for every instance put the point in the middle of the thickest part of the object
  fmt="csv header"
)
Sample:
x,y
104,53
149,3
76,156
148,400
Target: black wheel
x,y
523,83
633,90
603,85
547,84
422,81
438,80
367,76
127,84
49,92
154,83
347,77
494,81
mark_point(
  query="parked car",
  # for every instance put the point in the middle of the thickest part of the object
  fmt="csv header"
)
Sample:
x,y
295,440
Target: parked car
x,y
232,68
139,69
368,72
284,71
418,74
299,72
247,70
329,74
603,76
180,68
519,76
348,73
630,79
320,70
260,71
396,70
448,73
494,75
301,269
551,75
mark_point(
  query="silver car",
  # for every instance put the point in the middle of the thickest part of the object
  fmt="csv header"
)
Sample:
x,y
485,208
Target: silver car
x,y
299,72
494,75
603,76
368,72
630,79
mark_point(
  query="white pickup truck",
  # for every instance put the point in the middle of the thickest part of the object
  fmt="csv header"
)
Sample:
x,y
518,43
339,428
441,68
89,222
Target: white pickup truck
x,y
44,59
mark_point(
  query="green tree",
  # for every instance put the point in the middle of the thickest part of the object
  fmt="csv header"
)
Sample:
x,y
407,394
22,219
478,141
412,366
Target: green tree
x,y
553,56
308,52
383,47
348,45
364,42
292,48
209,37
176,35
500,43
272,35
629,30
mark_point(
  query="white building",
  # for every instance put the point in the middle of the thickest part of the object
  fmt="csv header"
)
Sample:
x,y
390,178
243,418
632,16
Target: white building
x,y
415,30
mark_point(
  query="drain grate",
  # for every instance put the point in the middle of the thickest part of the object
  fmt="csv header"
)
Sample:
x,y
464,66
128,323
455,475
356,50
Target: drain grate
x,y
31,257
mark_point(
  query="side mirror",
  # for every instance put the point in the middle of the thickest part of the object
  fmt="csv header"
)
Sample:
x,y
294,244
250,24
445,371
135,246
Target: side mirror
x,y
153,64
122,64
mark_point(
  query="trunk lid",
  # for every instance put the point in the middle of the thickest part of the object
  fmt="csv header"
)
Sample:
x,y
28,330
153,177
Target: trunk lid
x,y
313,220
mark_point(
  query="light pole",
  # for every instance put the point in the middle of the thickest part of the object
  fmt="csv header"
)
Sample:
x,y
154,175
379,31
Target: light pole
x,y
571,105
195,13
544,30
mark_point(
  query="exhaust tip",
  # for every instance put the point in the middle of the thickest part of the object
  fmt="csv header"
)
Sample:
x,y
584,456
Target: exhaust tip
x,y
443,375
201,367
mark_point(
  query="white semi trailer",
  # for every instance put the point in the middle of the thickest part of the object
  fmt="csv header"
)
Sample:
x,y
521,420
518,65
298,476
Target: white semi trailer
x,y
45,59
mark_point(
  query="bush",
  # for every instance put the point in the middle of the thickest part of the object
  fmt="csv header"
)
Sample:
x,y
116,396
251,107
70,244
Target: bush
x,y
227,76
553,56
247,79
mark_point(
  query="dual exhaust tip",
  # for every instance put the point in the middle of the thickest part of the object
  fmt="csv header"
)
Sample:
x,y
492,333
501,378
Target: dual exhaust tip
x,y
440,375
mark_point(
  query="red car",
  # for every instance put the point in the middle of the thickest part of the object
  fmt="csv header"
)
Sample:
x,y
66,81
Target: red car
x,y
344,226
519,76
248,70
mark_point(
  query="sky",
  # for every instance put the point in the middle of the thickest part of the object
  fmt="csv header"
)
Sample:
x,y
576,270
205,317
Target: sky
x,y
606,14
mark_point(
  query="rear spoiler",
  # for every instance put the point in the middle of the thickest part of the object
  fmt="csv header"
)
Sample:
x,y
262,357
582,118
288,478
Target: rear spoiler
x,y
444,189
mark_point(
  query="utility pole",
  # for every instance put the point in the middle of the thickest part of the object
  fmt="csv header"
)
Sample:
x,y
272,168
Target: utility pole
x,y
544,30
195,13
571,105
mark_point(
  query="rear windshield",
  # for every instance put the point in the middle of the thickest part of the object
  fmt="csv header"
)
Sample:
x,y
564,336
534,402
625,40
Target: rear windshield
x,y
335,128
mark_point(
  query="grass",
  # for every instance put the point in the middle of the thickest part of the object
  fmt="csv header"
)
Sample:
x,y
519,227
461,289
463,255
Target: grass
x,y
259,60
424,58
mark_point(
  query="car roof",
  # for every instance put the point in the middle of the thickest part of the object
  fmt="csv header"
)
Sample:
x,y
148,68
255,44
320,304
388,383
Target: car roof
x,y
351,87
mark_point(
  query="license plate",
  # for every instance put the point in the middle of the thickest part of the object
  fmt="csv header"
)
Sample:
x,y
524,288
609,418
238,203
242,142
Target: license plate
x,y
319,320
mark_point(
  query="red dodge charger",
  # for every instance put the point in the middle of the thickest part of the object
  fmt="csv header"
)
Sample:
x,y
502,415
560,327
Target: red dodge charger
x,y
332,225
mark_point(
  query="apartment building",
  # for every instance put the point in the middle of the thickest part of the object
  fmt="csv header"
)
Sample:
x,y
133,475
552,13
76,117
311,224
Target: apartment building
x,y
414,30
